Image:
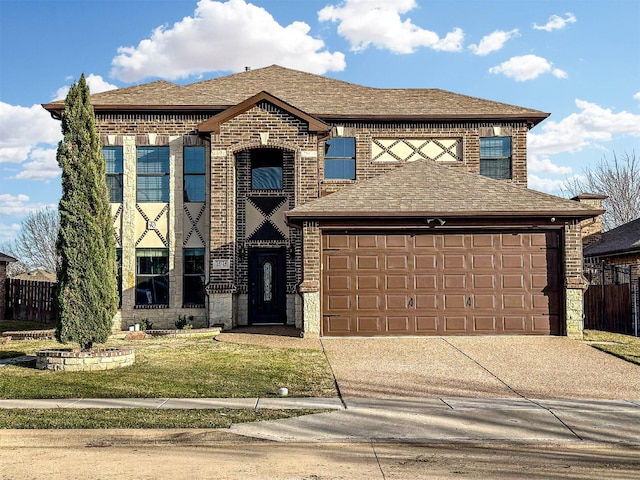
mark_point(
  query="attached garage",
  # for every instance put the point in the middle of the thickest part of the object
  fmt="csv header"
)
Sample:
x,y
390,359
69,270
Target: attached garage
x,y
432,250
441,283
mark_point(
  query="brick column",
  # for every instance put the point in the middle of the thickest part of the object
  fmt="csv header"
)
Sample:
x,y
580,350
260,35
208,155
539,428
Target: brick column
x,y
310,287
574,282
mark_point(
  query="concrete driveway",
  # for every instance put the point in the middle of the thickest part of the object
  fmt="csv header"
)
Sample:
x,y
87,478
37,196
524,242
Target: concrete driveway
x,y
479,367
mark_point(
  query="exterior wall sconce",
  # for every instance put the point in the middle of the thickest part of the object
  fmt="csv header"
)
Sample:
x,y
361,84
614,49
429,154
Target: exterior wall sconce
x,y
436,220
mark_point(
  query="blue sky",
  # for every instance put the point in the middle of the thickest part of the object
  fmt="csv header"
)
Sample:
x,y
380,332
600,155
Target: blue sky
x,y
578,60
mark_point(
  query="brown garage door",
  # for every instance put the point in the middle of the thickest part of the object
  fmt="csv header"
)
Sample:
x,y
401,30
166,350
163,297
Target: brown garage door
x,y
441,284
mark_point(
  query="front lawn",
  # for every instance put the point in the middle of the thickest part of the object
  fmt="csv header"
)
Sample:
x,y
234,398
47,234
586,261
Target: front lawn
x,y
176,368
67,418
626,347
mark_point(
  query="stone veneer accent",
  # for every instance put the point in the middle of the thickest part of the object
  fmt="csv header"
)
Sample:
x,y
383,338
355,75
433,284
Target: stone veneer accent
x,y
575,283
73,361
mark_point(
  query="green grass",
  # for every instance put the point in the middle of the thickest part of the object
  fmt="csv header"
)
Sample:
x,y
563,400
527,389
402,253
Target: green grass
x,y
68,418
17,325
626,347
174,368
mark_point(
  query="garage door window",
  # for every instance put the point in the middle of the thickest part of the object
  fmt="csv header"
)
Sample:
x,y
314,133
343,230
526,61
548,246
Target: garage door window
x,y
495,157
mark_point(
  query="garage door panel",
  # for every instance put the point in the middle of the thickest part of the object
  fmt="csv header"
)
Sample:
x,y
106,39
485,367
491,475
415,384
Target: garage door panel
x,y
444,283
452,240
368,282
512,282
484,302
336,325
426,324
514,323
339,282
367,241
339,303
482,260
425,262
366,262
454,261
368,325
512,261
426,282
483,281
368,302
337,263
455,281
511,240
396,282
426,302
484,323
398,324
455,324
510,302
396,262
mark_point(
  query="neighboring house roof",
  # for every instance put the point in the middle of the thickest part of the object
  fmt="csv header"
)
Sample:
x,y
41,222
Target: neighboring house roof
x,y
316,95
622,239
423,188
37,276
7,258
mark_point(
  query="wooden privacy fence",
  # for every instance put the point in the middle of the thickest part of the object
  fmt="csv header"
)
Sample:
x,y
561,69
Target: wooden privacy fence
x,y
30,300
611,301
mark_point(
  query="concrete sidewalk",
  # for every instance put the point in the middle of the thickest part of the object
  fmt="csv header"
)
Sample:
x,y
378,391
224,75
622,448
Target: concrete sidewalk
x,y
412,420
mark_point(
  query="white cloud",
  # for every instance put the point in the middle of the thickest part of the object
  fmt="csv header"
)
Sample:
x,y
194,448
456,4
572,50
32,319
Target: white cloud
x,y
493,42
544,165
637,96
42,165
590,126
19,204
8,233
378,23
527,67
22,129
96,85
548,185
224,37
556,22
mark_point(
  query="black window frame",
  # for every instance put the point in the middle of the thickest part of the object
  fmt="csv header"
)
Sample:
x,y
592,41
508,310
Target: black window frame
x,y
114,167
340,151
493,162
152,280
143,153
194,175
267,169
193,277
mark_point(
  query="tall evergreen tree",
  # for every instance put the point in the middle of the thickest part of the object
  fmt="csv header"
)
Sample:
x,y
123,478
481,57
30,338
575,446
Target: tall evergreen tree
x,y
87,295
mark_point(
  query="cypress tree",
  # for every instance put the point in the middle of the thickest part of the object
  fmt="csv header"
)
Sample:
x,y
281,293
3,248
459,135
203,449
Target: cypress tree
x,y
86,294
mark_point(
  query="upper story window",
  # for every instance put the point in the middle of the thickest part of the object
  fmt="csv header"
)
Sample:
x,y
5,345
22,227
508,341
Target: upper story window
x,y
194,174
340,158
495,157
114,162
266,169
153,174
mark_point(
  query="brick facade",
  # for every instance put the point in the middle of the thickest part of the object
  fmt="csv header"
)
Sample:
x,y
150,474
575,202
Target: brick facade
x,y
225,221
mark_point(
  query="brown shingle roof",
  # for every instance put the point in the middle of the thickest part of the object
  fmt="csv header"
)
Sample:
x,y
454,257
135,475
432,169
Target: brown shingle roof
x,y
316,95
622,239
423,188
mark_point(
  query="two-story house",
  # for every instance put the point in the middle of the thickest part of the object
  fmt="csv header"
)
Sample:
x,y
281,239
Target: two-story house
x,y
278,196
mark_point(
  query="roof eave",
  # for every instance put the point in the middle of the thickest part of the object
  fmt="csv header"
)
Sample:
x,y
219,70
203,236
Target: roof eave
x,y
564,214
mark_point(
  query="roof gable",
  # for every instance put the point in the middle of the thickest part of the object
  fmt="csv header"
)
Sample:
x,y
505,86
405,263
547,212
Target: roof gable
x,y
622,239
423,188
213,124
